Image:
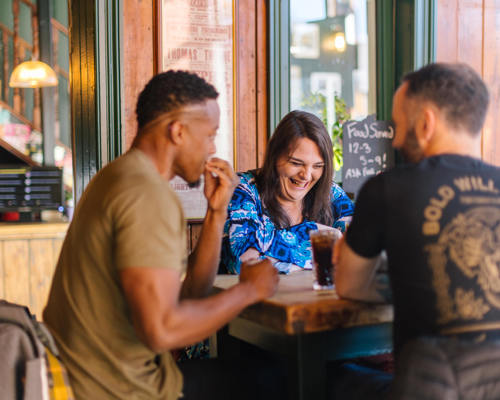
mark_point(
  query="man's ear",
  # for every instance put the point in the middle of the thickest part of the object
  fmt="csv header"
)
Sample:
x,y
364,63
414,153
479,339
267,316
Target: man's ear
x,y
425,126
175,132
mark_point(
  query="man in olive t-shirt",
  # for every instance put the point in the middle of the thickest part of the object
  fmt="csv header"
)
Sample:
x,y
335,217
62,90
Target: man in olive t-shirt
x,y
125,291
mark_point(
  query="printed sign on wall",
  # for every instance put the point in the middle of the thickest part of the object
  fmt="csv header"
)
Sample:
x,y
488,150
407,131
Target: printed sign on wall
x,y
197,36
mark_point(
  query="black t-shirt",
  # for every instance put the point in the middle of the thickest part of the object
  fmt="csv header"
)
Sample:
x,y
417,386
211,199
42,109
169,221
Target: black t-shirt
x,y
439,221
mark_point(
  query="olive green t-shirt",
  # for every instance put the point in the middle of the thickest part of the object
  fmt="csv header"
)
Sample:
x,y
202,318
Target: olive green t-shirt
x,y
129,216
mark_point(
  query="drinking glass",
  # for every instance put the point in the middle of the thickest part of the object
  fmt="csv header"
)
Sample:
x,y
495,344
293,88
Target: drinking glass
x,y
322,242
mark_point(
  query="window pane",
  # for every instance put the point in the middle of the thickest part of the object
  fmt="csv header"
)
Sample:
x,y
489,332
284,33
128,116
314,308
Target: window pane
x,y
25,28
28,95
332,54
60,11
6,14
62,51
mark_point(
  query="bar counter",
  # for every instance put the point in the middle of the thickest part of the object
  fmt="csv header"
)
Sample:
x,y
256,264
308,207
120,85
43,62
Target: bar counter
x,y
28,256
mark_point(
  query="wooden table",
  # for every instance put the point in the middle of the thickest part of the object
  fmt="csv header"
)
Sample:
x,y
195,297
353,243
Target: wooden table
x,y
308,327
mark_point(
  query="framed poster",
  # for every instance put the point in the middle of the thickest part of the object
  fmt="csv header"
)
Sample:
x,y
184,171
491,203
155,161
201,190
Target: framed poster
x,y
198,36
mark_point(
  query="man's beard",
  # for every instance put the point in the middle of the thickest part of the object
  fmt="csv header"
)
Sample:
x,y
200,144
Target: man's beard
x,y
411,150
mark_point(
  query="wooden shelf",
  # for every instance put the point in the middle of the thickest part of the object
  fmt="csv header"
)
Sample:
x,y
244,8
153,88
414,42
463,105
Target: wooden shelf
x,y
15,154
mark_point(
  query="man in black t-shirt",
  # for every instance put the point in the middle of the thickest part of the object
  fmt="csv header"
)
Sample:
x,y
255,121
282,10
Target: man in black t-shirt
x,y
437,217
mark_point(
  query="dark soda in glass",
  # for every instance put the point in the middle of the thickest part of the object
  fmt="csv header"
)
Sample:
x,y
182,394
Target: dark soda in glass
x,y
322,246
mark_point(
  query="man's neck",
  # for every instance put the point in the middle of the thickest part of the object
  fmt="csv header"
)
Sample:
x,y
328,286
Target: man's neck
x,y
455,142
158,153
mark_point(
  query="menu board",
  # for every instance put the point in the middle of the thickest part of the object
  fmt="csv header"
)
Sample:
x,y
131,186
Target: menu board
x,y
367,151
30,188
197,36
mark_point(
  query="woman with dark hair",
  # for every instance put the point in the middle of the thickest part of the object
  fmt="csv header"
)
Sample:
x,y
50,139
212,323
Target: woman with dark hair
x,y
274,208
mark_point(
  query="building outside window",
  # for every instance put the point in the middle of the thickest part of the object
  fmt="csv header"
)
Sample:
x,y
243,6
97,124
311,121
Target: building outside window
x,y
333,62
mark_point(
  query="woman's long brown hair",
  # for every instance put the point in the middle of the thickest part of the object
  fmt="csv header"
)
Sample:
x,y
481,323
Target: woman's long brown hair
x,y
317,203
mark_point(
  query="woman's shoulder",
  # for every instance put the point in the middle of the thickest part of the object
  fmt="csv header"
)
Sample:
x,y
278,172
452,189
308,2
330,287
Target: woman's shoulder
x,y
338,194
248,177
246,191
248,182
336,189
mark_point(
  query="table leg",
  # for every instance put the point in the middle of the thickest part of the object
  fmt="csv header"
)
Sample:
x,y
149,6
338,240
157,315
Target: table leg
x,y
223,345
307,370
307,354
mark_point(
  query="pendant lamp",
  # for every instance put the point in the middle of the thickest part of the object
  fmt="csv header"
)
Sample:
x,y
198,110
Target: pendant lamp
x,y
33,74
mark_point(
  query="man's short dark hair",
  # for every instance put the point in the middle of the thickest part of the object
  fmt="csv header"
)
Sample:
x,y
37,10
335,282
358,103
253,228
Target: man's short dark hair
x,y
169,91
456,89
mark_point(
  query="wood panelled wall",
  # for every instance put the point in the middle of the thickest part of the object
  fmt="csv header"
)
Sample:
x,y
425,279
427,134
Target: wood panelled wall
x,y
469,31
138,59
251,83
28,256
251,73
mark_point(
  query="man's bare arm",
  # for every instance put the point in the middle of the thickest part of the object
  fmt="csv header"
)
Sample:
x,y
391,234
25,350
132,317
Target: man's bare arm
x,y
203,262
163,321
356,277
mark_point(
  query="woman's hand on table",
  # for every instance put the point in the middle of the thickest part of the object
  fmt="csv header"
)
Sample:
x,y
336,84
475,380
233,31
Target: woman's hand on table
x,y
250,254
262,276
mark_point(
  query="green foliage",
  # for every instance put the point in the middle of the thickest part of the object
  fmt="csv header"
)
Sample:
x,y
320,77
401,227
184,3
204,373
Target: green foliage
x,y
316,103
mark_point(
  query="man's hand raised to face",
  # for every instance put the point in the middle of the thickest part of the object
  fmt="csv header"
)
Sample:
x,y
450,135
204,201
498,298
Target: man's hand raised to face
x,y
220,182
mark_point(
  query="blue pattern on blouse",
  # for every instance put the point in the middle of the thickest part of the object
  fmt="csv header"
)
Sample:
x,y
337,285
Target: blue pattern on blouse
x,y
249,225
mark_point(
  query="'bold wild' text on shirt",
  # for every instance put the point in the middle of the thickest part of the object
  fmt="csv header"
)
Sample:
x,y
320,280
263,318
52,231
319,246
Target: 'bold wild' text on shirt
x,y
434,211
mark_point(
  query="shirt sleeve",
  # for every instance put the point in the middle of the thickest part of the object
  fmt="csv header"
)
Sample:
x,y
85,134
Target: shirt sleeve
x,y
292,245
365,234
342,208
149,229
244,227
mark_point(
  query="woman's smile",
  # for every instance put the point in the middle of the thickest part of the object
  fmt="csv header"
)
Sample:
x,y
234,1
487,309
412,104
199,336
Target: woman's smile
x,y
299,184
299,171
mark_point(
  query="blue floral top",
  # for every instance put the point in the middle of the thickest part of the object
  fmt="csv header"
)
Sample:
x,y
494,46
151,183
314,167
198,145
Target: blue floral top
x,y
249,225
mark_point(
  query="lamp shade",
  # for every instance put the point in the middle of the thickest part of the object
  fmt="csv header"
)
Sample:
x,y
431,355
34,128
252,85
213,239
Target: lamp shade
x,y
33,74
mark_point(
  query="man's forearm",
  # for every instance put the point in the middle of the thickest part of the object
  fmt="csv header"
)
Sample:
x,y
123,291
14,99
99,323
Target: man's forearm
x,y
203,262
195,319
376,289
210,314
356,277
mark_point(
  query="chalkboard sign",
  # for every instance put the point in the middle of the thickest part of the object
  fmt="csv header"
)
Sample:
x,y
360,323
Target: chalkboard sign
x,y
367,151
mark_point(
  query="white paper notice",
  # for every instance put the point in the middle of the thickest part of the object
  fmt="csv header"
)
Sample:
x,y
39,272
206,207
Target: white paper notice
x,y
197,36
193,200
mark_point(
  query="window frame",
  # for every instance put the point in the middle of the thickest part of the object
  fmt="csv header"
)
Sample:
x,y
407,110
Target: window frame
x,y
405,41
96,87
